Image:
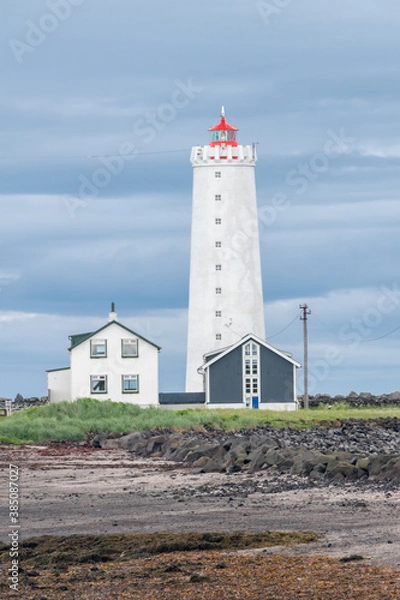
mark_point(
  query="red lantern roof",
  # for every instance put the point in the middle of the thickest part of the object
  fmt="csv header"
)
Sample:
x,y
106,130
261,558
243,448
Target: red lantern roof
x,y
223,133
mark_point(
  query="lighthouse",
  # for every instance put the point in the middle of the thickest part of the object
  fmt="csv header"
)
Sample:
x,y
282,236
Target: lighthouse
x,y
225,291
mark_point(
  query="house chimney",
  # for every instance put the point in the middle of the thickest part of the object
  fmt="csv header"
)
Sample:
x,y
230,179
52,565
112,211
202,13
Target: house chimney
x,y
113,315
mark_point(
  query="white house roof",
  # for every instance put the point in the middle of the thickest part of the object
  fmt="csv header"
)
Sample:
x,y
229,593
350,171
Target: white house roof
x,y
241,342
79,338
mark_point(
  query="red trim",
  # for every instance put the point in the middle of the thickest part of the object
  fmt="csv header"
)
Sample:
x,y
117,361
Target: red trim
x,y
223,126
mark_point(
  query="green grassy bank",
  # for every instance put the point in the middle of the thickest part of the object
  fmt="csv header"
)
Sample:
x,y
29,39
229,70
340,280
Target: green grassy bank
x,y
71,421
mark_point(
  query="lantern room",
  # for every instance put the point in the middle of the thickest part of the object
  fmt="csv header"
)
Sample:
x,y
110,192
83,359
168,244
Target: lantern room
x,y
223,134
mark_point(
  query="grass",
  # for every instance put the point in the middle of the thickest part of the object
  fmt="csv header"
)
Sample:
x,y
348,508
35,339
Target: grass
x,y
71,421
61,551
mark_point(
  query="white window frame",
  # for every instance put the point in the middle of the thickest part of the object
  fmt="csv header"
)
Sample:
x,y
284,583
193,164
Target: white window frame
x,y
98,378
218,290
133,342
218,221
251,353
218,336
218,198
218,267
98,342
125,378
218,313
218,174
218,244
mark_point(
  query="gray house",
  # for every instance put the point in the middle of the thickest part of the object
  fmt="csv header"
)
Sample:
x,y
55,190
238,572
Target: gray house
x,y
251,374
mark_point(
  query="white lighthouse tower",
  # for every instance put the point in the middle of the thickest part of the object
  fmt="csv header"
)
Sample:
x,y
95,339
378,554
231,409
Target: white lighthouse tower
x,y
225,295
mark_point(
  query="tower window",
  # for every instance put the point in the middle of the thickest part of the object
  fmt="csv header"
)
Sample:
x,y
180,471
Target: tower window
x,y
218,290
218,336
218,174
218,244
218,267
218,313
218,197
218,221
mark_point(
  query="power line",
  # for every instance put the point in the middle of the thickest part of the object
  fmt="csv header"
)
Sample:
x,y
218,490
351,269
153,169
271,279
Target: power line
x,y
126,156
324,324
381,337
284,329
363,341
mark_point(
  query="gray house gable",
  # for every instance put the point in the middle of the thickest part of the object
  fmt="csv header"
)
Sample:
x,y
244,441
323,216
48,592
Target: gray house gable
x,y
212,357
227,381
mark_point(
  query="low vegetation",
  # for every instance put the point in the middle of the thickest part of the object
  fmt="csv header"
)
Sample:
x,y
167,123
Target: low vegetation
x,y
61,551
72,421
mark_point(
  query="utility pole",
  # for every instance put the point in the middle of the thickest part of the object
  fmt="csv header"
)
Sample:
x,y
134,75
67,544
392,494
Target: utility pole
x,y
303,318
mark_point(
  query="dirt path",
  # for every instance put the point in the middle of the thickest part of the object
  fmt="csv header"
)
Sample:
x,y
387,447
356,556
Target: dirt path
x,y
66,490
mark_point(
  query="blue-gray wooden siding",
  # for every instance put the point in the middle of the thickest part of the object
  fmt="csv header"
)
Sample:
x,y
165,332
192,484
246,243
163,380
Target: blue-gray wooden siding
x,y
277,384
226,378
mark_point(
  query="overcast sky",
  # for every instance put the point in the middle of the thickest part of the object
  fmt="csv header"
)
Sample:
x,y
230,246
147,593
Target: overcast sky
x,y
101,102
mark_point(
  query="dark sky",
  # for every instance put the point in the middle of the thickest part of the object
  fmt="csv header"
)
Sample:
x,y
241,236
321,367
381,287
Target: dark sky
x,y
101,102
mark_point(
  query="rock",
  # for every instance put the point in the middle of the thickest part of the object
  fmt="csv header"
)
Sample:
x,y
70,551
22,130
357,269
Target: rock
x,y
363,463
132,441
394,397
110,444
155,444
341,468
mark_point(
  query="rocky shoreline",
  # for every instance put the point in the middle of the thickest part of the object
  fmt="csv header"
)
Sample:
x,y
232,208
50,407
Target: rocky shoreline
x,y
338,451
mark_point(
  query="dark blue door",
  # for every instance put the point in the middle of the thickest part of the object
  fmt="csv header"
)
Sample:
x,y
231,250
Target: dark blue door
x,y
254,402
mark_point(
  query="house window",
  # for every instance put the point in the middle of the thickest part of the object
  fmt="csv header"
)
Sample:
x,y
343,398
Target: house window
x,y
130,384
218,313
129,348
251,372
218,336
218,244
98,348
218,267
218,174
218,290
218,197
98,384
218,221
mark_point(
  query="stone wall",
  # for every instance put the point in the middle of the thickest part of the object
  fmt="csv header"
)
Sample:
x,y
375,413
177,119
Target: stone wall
x,y
354,399
19,402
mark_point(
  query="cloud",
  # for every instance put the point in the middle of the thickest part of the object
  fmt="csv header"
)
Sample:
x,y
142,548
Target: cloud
x,y
89,88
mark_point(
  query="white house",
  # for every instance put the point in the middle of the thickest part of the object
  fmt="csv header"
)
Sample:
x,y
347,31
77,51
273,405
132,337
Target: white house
x,y
113,362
